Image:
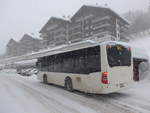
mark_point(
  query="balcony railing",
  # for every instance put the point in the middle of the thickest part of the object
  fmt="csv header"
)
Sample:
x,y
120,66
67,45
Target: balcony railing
x,y
101,26
84,18
100,19
51,27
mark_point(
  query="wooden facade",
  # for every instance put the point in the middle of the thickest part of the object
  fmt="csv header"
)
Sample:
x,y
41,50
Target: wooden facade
x,y
27,44
87,22
12,48
54,32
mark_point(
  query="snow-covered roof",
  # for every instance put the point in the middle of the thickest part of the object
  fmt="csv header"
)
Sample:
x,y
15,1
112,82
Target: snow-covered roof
x,y
33,61
139,53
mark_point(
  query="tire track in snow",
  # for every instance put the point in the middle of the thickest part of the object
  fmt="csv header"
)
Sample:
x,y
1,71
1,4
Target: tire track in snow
x,y
59,103
100,104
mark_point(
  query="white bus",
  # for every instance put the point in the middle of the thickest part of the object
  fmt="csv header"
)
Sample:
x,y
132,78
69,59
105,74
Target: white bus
x,y
99,68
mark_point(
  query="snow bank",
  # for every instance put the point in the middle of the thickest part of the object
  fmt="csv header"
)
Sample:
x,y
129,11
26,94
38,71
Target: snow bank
x,y
143,43
8,71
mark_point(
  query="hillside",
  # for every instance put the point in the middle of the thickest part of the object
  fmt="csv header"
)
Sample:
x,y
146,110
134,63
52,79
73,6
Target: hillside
x,y
139,21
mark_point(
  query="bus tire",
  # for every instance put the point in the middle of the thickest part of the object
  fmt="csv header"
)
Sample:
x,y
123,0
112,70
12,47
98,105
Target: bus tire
x,y
68,84
45,79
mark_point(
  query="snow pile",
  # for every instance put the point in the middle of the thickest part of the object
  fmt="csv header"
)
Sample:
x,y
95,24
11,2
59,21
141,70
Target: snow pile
x,y
143,43
8,71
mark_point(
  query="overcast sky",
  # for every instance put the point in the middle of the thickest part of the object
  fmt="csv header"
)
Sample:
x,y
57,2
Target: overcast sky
x,y
28,16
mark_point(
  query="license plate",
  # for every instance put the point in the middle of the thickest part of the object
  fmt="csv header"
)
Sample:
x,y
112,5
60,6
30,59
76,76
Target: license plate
x,y
122,85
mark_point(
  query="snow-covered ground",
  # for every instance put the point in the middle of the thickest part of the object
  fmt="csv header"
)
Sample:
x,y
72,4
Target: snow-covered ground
x,y
20,94
27,95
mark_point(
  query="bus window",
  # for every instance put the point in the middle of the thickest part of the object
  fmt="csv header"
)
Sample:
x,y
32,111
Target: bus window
x,y
57,63
93,60
67,63
83,61
45,64
118,55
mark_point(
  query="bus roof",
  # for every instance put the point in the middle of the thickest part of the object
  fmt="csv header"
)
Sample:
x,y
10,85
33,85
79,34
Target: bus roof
x,y
136,52
77,46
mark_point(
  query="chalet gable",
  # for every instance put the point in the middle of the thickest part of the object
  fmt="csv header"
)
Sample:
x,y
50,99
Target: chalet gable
x,y
26,38
53,23
11,42
88,11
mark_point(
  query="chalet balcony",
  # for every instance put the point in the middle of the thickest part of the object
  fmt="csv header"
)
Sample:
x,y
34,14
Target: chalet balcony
x,y
60,35
60,30
101,33
100,19
101,26
75,26
52,27
80,19
76,33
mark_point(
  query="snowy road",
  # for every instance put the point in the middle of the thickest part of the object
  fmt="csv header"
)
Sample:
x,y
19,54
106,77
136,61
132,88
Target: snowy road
x,y
27,95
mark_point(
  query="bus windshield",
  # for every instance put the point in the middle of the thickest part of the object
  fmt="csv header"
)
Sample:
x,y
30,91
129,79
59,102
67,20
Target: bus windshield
x,y
118,55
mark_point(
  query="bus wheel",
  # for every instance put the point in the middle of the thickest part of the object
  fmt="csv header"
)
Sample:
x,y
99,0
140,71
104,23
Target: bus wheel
x,y
68,84
45,79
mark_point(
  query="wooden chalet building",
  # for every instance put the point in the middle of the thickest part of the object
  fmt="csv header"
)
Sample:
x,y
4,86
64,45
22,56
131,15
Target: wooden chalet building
x,y
95,21
27,44
54,32
12,48
87,22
